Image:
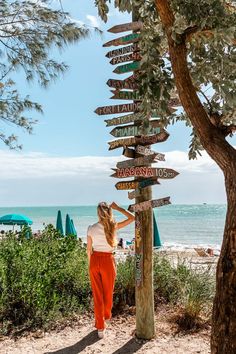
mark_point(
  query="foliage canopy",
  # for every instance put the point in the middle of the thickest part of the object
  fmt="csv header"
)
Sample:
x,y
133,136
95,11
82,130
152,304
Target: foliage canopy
x,y
209,28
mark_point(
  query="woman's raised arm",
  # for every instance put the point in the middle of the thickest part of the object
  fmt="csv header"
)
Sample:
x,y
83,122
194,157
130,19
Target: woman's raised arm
x,y
128,214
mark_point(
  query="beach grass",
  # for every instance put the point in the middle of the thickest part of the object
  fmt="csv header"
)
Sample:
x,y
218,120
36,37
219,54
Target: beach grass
x,y
45,279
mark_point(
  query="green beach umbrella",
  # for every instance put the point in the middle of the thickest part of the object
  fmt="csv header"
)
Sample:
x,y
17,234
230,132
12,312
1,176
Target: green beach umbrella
x,y
156,236
59,225
73,227
69,229
15,219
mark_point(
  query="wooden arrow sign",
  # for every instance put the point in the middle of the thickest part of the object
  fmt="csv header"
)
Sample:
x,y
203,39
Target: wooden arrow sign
x,y
130,130
145,140
136,184
165,173
134,194
135,56
122,108
124,119
122,69
149,204
128,83
142,150
125,95
130,38
131,26
140,161
127,185
121,51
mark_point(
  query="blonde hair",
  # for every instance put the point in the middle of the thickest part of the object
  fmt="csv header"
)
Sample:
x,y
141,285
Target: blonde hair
x,y
106,218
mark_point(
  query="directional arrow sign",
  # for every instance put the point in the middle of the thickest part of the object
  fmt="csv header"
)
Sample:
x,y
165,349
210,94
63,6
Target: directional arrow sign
x,y
140,161
121,51
122,108
127,185
145,140
123,119
130,130
125,95
142,150
122,69
134,194
149,204
165,173
136,184
130,38
131,26
124,58
128,83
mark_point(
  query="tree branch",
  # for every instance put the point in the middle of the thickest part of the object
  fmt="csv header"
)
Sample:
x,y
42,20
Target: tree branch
x,y
211,137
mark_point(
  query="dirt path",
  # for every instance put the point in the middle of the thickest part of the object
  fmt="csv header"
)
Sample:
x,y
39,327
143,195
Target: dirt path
x,y
82,338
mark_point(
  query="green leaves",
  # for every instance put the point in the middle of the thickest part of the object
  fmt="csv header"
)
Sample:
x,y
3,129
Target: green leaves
x,y
29,31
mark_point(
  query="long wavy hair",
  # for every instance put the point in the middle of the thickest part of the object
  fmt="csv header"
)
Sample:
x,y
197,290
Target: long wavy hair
x,y
106,218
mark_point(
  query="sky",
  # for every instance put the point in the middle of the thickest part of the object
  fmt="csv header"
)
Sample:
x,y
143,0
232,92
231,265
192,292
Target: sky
x,y
66,160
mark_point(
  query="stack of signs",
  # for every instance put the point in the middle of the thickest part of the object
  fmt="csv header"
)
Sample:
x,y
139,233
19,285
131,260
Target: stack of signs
x,y
134,138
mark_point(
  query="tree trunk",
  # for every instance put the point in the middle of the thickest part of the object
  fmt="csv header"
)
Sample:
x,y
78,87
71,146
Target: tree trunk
x,y
223,336
223,339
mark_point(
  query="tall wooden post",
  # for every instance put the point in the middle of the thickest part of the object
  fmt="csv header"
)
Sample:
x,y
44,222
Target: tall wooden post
x,y
144,295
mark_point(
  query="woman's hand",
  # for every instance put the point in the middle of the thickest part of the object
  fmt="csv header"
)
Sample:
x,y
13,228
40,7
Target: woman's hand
x,y
115,206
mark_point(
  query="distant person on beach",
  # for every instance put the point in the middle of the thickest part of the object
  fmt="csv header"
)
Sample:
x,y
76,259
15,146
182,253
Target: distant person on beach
x,y
120,243
101,242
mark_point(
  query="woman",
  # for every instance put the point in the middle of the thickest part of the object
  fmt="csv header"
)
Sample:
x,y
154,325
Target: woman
x,y
101,241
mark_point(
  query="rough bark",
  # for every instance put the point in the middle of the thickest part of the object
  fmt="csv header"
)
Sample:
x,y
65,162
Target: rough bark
x,y
223,340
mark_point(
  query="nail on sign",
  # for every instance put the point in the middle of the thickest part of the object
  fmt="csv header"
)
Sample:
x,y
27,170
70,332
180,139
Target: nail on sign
x,y
149,204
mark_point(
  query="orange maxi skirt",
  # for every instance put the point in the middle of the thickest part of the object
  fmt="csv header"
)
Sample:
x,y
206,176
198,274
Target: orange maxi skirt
x,y
102,271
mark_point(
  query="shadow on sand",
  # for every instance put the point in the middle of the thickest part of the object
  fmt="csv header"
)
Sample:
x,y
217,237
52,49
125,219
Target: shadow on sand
x,y
132,346
90,339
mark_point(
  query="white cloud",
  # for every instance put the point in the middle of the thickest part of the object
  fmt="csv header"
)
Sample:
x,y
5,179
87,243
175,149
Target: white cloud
x,y
93,20
39,179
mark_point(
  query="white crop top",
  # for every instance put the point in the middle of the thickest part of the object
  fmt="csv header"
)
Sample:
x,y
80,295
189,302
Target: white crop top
x,y
99,241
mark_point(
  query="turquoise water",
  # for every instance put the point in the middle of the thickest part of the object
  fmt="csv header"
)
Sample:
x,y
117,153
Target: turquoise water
x,y
178,224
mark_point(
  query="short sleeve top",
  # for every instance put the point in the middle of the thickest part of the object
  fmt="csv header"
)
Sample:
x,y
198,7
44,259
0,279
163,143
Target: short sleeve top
x,y
99,241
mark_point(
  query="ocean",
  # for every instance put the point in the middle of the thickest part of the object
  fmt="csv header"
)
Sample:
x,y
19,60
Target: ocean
x,y
179,225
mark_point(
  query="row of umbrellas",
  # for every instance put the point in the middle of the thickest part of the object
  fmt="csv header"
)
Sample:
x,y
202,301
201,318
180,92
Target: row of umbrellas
x,y
69,225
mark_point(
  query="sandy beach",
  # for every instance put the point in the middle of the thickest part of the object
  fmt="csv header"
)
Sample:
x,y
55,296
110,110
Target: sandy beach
x,y
80,337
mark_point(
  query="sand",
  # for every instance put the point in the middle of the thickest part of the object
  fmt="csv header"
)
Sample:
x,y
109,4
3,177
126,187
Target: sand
x,y
80,337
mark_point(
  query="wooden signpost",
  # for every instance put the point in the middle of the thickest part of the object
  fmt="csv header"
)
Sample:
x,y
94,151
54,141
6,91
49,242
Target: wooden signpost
x,y
131,26
128,130
130,38
149,204
136,140
145,140
136,184
124,119
163,173
125,68
135,56
121,108
142,150
128,83
139,161
125,95
121,51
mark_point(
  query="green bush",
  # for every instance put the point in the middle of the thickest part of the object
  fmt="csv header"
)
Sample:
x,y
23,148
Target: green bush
x,y
42,278
46,278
